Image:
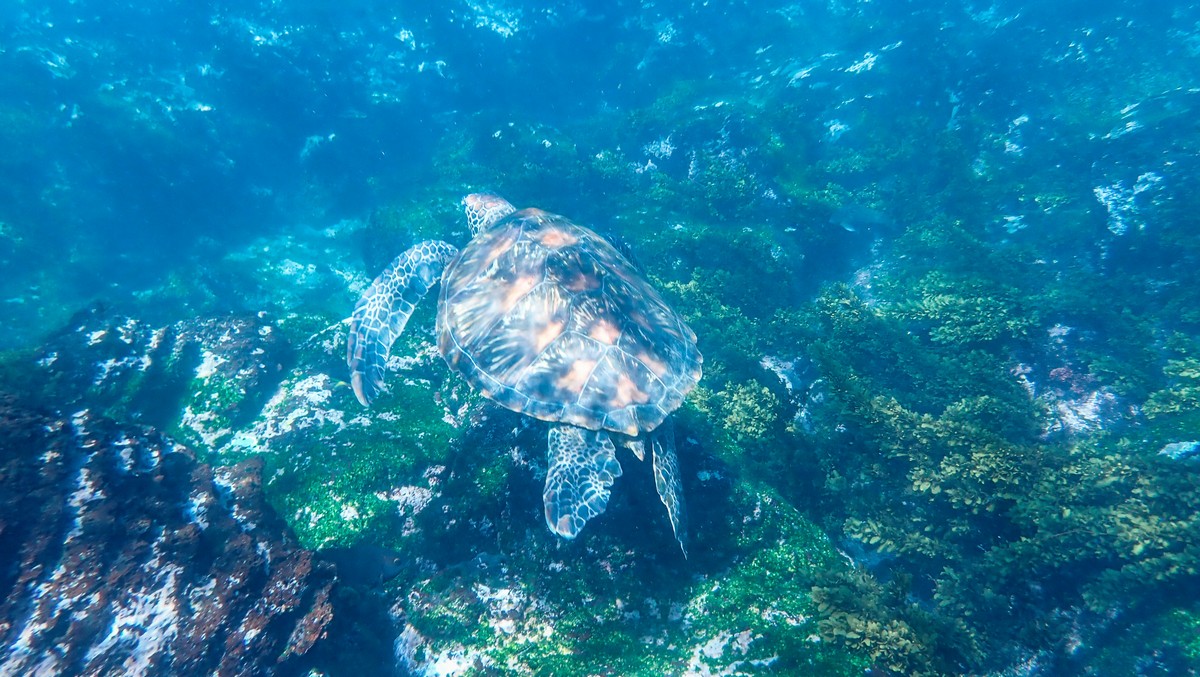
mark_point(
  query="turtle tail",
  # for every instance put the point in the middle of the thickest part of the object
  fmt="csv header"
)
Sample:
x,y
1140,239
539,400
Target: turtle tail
x,y
384,309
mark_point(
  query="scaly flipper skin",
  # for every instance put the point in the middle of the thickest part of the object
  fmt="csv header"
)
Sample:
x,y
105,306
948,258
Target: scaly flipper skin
x,y
384,309
668,480
583,465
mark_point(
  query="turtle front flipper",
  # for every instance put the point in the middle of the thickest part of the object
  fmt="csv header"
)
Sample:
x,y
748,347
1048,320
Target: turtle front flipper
x,y
384,309
583,465
668,480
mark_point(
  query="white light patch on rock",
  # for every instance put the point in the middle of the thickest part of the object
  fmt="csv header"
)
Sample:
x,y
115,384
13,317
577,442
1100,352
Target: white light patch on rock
x,y
413,652
85,492
1090,413
200,423
143,623
504,604
107,367
197,509
409,500
502,21
294,407
128,331
835,129
209,365
707,658
1121,202
1177,451
864,64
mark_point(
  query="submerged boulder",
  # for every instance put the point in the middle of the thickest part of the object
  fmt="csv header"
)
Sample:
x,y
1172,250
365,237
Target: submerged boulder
x,y
200,378
121,554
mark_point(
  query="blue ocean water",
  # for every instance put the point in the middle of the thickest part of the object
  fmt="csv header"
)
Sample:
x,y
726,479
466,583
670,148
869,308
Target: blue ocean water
x,y
941,259
135,131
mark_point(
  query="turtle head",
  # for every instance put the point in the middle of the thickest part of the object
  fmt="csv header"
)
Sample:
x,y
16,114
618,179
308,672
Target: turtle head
x,y
484,210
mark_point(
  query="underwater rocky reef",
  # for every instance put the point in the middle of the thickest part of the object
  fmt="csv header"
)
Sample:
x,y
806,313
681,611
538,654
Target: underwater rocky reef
x,y
130,557
941,261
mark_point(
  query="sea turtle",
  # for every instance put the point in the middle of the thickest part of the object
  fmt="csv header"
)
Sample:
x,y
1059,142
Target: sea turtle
x,y
546,318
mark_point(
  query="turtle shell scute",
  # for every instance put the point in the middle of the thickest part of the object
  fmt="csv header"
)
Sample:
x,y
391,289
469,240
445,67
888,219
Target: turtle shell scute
x,y
548,319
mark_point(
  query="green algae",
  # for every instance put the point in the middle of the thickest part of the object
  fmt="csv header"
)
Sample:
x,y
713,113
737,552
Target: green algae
x,y
766,594
967,311
614,611
21,377
748,412
207,419
1176,406
333,482
939,426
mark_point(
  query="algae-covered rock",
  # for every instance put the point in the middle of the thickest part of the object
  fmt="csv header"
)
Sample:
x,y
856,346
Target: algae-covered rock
x,y
612,606
343,473
453,484
122,554
200,378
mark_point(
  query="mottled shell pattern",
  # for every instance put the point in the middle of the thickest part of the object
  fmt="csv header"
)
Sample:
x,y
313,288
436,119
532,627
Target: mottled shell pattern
x,y
548,319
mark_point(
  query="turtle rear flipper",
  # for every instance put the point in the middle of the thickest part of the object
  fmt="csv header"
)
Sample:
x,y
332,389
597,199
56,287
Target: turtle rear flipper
x,y
384,309
583,465
669,481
